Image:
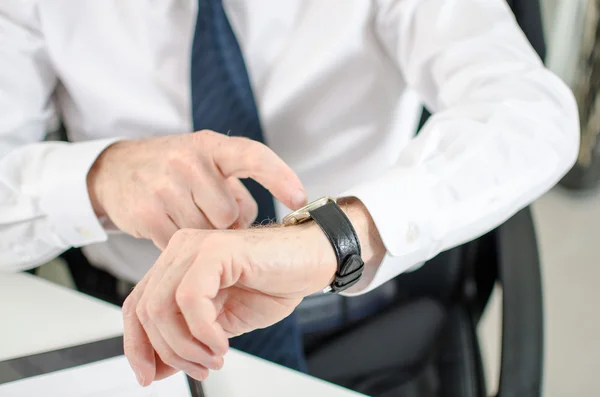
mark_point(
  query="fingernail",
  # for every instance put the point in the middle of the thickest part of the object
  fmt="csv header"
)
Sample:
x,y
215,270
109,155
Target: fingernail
x,y
140,378
217,364
299,198
222,348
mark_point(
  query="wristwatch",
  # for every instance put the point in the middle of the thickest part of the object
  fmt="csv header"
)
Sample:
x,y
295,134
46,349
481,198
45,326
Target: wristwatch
x,y
340,232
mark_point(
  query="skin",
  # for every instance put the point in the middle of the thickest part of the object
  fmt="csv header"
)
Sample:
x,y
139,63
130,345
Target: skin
x,y
216,278
151,188
208,286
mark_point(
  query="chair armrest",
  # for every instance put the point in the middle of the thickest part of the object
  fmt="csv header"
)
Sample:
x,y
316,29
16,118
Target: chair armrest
x,y
522,310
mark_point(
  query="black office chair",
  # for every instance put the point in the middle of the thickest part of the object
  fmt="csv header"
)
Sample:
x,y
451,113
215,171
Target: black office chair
x,y
424,342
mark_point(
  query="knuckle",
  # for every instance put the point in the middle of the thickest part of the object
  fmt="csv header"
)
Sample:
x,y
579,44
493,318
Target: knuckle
x,y
201,241
256,158
142,313
182,161
129,307
203,138
153,227
215,241
196,331
163,192
180,351
173,159
227,216
185,298
260,150
144,213
157,311
139,212
205,133
181,236
137,233
154,223
169,357
199,222
253,152
190,350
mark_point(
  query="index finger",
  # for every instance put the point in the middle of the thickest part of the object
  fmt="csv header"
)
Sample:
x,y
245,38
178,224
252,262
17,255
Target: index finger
x,y
136,345
194,296
244,158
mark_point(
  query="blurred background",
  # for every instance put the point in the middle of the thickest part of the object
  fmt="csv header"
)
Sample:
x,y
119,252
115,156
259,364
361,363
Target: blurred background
x,y
567,222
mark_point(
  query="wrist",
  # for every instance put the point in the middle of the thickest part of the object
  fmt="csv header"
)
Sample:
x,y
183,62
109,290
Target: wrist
x,y
327,265
321,253
371,244
309,238
302,246
93,191
95,179
372,248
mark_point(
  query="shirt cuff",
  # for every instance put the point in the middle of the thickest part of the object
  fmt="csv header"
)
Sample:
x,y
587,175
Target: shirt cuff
x,y
402,206
64,196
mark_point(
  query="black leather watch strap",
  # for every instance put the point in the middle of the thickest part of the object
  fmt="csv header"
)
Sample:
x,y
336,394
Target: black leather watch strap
x,y
340,232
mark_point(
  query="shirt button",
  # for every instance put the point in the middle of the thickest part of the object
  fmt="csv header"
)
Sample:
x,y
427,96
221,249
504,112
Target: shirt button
x,y
87,233
412,234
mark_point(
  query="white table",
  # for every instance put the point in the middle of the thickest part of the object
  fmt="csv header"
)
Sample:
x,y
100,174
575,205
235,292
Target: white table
x,y
37,316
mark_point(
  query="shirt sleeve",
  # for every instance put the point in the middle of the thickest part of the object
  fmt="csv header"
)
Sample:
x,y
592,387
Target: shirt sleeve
x,y
505,129
44,204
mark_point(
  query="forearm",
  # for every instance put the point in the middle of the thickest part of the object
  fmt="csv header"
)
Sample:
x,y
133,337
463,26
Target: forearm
x,y
469,170
504,130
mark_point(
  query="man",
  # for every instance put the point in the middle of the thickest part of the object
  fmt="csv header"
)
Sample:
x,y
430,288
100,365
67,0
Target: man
x,y
332,87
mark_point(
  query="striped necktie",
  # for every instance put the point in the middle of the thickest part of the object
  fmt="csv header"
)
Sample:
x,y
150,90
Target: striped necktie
x,y
222,98
222,101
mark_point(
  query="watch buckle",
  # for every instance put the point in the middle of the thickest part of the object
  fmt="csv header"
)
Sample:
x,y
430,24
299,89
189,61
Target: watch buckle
x,y
343,282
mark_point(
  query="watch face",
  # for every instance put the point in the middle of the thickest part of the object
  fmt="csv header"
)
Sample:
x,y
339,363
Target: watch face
x,y
303,214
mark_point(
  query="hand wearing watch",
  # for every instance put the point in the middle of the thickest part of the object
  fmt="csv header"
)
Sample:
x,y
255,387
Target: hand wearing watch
x,y
342,236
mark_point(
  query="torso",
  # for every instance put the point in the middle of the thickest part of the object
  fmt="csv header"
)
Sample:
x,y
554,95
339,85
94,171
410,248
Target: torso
x,y
332,103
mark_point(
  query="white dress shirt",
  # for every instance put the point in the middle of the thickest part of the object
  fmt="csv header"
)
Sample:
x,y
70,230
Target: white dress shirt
x,y
338,85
